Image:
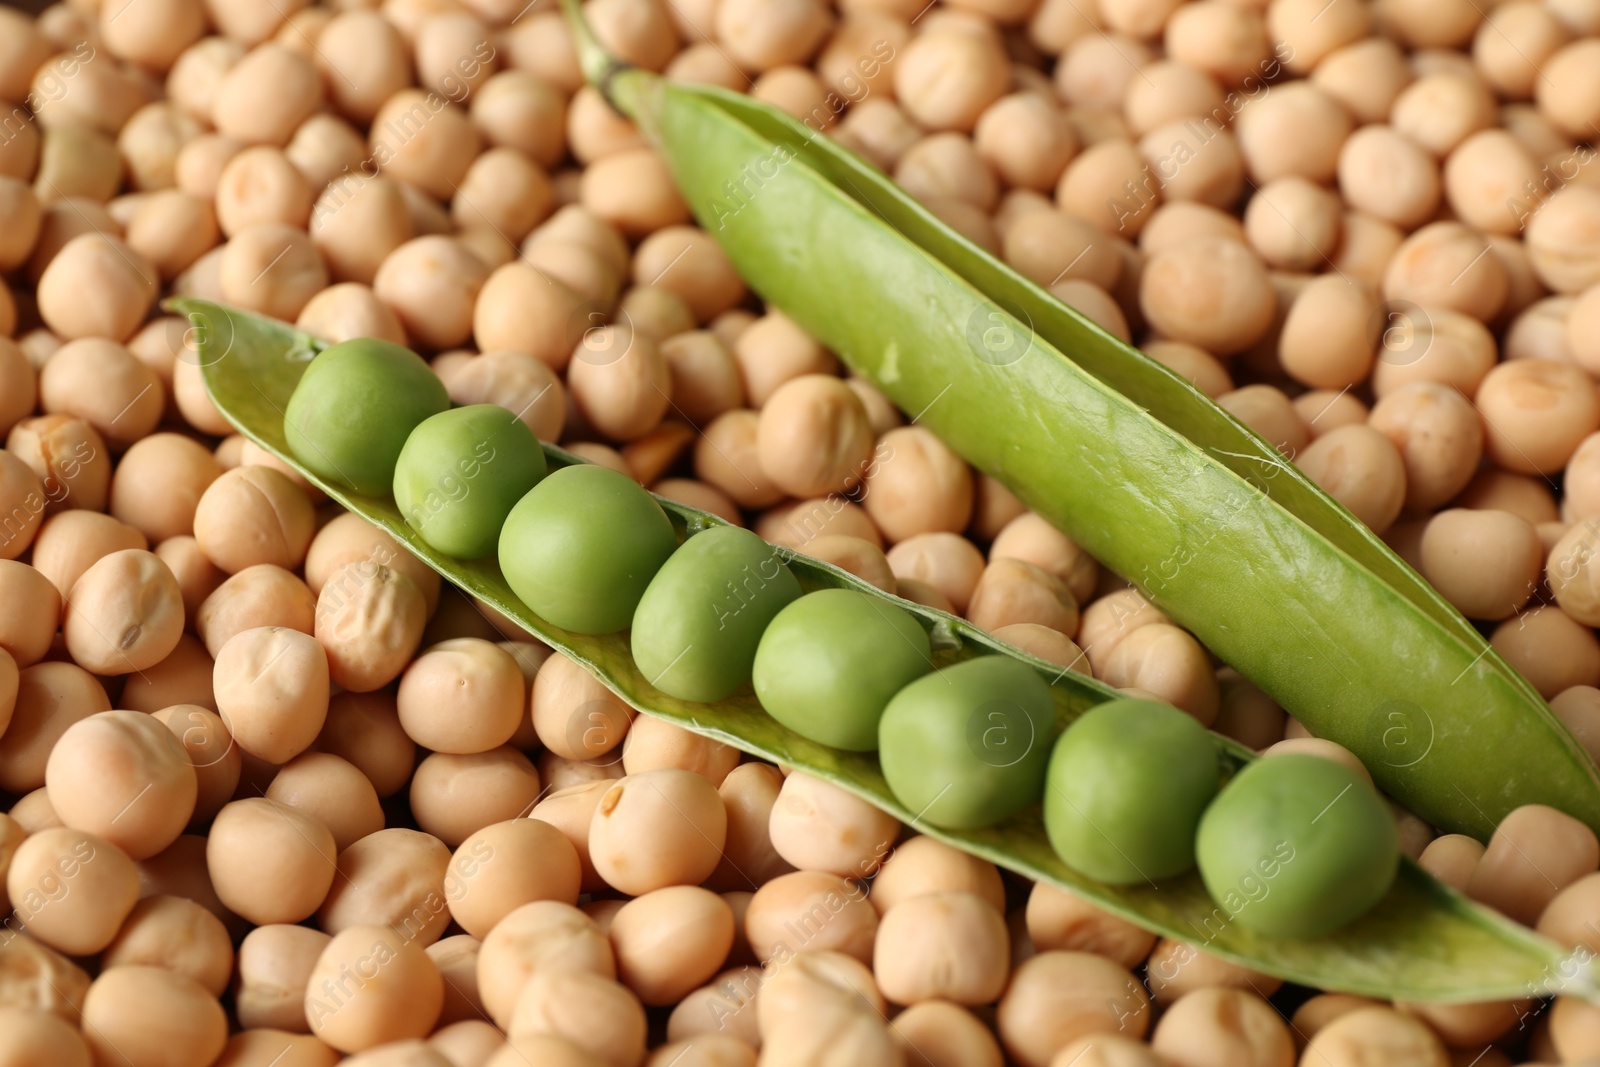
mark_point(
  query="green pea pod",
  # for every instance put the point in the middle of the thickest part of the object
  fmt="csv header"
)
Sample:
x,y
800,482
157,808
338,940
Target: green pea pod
x,y
1147,474
1422,942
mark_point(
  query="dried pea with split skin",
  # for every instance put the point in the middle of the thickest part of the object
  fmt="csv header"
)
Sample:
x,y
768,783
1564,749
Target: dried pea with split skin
x,y
698,624
355,406
829,663
460,474
581,547
967,746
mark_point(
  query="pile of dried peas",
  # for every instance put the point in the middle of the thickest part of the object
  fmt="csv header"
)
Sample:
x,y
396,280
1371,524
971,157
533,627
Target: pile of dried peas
x,y
1372,231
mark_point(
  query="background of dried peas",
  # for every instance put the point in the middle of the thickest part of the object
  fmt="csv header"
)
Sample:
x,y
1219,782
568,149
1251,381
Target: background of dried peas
x,y
1371,230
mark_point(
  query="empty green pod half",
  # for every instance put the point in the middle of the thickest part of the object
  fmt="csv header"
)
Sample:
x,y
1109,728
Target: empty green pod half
x,y
1147,474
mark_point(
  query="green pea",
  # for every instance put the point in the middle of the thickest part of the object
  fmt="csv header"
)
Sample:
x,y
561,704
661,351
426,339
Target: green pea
x,y
698,625
582,545
353,409
1127,785
460,474
967,746
1297,846
830,662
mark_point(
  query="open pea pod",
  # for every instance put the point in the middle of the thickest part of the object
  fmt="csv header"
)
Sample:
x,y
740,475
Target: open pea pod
x,y
1151,477
1422,942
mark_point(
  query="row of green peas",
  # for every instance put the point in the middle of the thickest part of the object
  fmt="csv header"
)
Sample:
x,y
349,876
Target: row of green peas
x,y
1132,791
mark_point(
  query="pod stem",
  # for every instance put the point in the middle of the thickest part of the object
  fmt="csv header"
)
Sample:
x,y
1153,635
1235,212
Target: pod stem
x,y
597,63
632,91
1585,978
